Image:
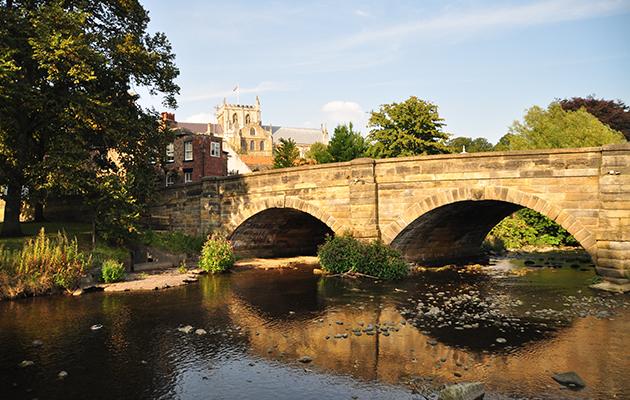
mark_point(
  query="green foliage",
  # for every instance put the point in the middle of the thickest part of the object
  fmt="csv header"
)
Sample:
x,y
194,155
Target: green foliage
x,y
346,145
174,242
459,144
527,227
68,114
344,253
217,254
411,128
41,265
286,154
112,271
319,152
615,114
555,128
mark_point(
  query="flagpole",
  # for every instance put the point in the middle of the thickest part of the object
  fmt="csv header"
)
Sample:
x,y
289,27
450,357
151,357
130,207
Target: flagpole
x,y
238,90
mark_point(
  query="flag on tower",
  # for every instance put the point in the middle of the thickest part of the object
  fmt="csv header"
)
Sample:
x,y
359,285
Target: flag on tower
x,y
235,87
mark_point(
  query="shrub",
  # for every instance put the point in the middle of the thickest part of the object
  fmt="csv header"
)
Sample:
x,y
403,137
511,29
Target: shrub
x,y
344,253
217,254
112,271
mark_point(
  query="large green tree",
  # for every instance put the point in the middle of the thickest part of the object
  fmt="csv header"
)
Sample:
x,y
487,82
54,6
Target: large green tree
x,y
346,144
615,114
555,128
319,152
68,114
410,128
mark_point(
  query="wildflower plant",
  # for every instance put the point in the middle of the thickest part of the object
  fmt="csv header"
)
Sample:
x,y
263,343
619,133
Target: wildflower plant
x,y
112,271
217,254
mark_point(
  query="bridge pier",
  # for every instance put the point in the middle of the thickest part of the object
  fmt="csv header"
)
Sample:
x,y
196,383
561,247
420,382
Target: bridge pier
x,y
613,236
363,204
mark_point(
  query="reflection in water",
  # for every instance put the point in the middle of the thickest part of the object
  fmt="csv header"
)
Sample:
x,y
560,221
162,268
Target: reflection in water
x,y
367,338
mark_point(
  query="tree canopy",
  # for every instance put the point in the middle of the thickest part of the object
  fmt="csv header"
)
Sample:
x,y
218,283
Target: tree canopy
x,y
346,144
555,128
459,144
615,114
319,152
410,128
286,154
68,114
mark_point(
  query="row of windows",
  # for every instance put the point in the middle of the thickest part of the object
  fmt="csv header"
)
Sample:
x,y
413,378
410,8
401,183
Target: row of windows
x,y
248,118
215,151
252,145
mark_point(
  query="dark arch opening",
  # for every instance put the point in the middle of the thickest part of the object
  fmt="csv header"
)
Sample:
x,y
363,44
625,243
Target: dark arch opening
x,y
279,232
452,234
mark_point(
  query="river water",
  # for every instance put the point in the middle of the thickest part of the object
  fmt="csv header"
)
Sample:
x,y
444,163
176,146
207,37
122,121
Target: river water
x,y
511,325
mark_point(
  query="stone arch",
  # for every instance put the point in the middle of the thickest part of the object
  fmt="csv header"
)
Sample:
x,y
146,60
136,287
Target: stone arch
x,y
494,193
256,207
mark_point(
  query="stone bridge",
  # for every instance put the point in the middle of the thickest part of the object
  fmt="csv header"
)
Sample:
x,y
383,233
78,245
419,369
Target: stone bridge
x,y
435,209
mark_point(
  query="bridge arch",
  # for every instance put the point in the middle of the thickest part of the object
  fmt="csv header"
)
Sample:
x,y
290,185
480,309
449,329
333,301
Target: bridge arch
x,y
280,227
451,224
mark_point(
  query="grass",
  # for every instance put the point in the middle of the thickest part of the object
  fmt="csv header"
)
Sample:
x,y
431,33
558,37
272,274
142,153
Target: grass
x,y
82,231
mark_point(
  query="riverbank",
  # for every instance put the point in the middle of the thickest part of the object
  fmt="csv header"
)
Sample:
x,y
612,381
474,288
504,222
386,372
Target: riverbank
x,y
172,277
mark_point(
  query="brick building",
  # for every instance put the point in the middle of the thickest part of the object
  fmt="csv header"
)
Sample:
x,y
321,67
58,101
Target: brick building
x,y
192,155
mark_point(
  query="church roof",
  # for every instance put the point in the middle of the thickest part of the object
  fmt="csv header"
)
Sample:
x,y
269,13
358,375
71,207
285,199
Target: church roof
x,y
299,135
201,127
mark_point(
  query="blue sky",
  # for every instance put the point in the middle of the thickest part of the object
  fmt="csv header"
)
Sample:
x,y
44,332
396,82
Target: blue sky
x,y
483,63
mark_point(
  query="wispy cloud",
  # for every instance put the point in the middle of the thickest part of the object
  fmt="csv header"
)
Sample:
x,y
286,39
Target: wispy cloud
x,y
340,112
260,88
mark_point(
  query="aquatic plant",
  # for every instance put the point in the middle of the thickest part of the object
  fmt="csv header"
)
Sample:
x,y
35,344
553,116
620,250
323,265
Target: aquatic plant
x,y
217,254
112,271
343,253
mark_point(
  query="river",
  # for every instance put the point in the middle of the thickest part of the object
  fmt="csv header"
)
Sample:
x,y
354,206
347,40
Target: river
x,y
512,325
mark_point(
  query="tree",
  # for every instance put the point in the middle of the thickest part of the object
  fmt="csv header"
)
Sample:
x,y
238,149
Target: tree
x,y
504,143
346,145
615,114
286,154
319,152
411,128
459,144
67,70
555,128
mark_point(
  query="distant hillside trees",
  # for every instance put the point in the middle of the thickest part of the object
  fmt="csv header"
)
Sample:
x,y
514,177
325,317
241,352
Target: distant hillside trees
x,y
459,144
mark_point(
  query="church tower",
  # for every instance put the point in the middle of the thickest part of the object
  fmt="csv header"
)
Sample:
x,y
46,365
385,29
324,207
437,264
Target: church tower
x,y
242,129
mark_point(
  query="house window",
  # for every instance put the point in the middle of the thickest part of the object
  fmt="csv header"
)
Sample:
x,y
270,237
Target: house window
x,y
187,176
262,146
252,132
170,152
252,145
170,180
215,149
188,151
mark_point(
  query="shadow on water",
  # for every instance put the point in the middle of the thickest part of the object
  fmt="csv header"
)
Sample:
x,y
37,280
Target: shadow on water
x,y
510,325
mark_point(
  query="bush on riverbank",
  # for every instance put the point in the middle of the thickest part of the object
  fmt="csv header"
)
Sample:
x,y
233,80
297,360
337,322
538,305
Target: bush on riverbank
x,y
343,253
217,254
42,265
112,271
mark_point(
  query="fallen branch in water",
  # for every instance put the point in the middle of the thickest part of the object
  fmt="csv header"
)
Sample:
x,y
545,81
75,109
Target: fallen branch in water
x,y
353,275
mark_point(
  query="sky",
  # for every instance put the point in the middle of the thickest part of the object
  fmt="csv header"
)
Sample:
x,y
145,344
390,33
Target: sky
x,y
483,63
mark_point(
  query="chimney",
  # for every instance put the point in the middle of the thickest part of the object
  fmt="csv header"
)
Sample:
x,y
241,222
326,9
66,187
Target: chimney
x,y
168,116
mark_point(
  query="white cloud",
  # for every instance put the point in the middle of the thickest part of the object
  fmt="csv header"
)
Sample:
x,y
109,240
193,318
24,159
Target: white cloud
x,y
341,112
361,13
202,118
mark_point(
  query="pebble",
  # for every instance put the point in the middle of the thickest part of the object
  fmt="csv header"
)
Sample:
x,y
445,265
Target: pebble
x,y
62,375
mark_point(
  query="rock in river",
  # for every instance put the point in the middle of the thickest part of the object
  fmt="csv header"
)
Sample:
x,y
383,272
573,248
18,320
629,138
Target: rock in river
x,y
463,391
569,379
305,359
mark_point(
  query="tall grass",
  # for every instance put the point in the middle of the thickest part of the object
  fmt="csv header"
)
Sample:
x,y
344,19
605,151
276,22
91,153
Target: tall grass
x,y
42,265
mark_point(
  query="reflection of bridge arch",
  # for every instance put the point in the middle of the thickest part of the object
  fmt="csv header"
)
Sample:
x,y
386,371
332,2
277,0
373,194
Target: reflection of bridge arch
x,y
280,227
459,219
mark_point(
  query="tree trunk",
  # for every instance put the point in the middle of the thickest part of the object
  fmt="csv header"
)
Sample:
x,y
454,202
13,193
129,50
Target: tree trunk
x,y
12,209
39,213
